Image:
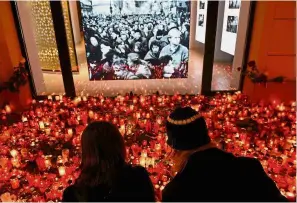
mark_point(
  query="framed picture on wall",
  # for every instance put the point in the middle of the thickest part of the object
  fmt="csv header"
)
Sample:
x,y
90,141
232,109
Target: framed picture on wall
x,y
130,40
234,4
230,26
201,4
201,21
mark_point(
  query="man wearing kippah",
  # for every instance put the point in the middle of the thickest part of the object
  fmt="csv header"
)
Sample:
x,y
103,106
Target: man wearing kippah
x,y
208,174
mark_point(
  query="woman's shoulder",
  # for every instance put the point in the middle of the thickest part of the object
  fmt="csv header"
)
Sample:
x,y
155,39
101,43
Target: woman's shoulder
x,y
136,168
69,189
132,176
69,194
135,185
138,172
139,168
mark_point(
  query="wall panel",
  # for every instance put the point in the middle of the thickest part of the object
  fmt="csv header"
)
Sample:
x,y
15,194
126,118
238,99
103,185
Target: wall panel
x,y
273,47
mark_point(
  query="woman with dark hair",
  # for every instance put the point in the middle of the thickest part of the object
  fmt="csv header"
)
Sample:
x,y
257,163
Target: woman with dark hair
x,y
154,51
138,48
103,70
105,175
185,37
94,53
139,41
123,49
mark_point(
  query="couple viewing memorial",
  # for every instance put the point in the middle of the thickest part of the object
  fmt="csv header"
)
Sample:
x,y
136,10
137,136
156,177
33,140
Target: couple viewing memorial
x,y
203,172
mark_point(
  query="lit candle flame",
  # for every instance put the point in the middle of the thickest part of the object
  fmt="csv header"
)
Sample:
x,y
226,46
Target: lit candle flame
x,y
62,171
7,109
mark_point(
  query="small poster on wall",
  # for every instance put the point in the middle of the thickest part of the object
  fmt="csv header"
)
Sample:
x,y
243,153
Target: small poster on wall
x,y
230,26
201,20
234,4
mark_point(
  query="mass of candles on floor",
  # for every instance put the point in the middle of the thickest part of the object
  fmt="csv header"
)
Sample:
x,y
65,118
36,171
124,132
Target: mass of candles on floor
x,y
40,153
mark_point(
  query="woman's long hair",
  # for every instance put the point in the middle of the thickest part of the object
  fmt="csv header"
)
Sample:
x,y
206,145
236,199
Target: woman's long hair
x,y
103,154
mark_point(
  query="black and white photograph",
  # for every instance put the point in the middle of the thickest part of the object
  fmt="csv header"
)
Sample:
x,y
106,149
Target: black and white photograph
x,y
234,4
201,4
232,24
130,39
201,20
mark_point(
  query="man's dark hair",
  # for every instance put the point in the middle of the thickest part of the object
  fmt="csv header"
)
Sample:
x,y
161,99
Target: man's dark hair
x,y
116,32
155,43
138,32
187,26
150,25
165,59
105,42
172,28
111,53
159,33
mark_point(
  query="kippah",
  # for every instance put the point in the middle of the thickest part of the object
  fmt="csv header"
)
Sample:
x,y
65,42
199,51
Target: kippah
x,y
186,129
184,121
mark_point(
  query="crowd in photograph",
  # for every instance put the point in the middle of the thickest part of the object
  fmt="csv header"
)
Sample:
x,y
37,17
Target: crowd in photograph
x,y
147,46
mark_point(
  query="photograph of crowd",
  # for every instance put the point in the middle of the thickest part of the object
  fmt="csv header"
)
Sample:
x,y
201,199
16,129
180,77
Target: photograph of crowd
x,y
234,4
201,4
232,24
201,20
129,39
